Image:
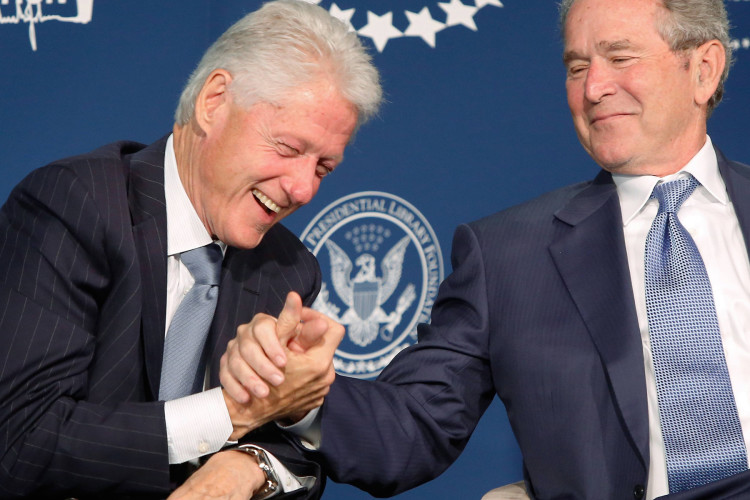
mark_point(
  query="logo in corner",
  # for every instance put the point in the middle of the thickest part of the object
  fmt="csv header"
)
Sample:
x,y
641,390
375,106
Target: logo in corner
x,y
33,12
382,266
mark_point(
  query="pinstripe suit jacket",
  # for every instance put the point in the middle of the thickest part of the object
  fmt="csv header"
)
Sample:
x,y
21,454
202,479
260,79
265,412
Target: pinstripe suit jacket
x,y
539,310
82,319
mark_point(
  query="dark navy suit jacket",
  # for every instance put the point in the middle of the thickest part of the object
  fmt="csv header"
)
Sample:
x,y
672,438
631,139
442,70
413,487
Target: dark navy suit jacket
x,y
539,310
83,251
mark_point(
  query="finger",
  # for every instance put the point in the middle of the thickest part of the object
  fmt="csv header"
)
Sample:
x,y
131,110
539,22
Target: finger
x,y
289,319
231,385
253,366
256,346
259,338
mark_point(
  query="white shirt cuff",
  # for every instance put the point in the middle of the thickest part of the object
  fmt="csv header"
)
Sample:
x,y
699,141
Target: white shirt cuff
x,y
197,425
307,429
287,481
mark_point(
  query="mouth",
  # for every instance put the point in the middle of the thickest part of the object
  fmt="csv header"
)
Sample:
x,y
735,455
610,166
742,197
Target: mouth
x,y
266,202
604,118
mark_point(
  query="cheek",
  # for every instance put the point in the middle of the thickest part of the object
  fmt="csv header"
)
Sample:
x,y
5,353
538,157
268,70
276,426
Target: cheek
x,y
574,91
581,125
316,185
577,108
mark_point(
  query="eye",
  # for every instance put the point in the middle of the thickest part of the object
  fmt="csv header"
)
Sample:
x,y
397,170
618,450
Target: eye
x,y
323,170
621,60
286,150
576,70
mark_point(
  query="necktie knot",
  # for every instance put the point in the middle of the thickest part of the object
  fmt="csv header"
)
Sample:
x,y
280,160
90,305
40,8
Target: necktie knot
x,y
671,195
204,263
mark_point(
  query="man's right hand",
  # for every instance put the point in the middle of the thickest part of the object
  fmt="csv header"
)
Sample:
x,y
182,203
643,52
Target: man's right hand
x,y
279,368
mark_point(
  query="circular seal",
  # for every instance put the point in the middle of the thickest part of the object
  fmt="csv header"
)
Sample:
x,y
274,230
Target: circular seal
x,y
382,266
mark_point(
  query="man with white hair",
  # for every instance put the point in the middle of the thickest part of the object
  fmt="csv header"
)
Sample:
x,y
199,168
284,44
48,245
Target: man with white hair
x,y
124,273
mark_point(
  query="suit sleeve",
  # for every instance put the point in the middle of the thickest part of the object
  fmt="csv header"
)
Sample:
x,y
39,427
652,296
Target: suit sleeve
x,y
55,278
408,426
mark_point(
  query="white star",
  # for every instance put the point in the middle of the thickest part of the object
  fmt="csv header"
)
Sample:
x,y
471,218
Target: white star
x,y
459,13
380,29
342,15
482,3
423,25
312,1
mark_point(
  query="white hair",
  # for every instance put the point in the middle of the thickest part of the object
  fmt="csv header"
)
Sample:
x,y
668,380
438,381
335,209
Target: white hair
x,y
281,47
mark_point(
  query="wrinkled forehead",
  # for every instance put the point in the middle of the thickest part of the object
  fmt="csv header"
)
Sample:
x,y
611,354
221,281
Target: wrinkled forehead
x,y
611,19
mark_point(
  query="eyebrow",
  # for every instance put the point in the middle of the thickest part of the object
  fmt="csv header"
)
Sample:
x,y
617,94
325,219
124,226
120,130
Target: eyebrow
x,y
603,46
616,45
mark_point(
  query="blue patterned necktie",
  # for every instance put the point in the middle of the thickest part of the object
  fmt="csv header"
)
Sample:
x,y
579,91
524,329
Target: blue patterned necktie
x,y
702,433
182,371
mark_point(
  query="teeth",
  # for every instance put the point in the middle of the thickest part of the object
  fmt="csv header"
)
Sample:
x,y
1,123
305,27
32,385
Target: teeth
x,y
267,201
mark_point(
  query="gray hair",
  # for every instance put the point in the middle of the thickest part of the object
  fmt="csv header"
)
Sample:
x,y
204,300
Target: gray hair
x,y
280,47
688,24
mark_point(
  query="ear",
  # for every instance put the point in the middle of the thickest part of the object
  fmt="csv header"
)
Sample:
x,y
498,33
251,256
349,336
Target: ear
x,y
213,99
710,59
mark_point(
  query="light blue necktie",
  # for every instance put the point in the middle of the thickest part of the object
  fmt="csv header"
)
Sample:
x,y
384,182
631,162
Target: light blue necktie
x,y
702,433
182,371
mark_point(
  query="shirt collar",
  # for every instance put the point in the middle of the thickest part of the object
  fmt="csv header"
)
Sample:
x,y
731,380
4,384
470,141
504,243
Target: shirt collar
x,y
185,231
635,190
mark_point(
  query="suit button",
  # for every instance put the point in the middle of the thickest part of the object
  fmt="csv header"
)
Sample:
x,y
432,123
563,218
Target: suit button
x,y
638,491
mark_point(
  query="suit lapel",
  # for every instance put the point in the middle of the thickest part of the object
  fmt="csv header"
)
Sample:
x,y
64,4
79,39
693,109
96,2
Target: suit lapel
x,y
148,210
737,180
591,258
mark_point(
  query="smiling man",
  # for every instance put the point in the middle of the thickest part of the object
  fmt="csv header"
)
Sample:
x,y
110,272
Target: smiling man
x,y
610,317
125,272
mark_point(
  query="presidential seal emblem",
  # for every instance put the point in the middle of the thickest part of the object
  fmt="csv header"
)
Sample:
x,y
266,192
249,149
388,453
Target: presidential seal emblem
x,y
382,266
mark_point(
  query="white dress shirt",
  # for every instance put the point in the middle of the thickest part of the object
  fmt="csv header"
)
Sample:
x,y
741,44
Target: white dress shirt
x,y
709,217
198,424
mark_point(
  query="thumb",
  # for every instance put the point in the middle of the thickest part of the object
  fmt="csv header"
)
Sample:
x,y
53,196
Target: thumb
x,y
315,326
289,319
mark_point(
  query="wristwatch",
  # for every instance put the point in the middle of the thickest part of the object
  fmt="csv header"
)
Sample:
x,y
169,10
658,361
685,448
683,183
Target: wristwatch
x,y
272,480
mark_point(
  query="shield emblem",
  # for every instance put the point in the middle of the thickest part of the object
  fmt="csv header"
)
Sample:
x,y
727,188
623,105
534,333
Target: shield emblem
x,y
365,298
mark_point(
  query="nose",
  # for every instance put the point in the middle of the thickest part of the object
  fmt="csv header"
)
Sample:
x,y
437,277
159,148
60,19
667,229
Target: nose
x,y
301,183
599,81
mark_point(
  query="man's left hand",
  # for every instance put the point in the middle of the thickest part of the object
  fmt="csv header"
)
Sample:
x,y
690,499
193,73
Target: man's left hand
x,y
230,475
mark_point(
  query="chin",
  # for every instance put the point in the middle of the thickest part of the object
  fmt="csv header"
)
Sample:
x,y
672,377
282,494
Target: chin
x,y
245,241
610,160
615,165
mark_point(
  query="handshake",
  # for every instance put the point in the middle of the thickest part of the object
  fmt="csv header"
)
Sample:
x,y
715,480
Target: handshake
x,y
279,369
275,369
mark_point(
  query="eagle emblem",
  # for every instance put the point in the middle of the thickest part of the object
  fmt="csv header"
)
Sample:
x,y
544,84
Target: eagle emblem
x,y
365,293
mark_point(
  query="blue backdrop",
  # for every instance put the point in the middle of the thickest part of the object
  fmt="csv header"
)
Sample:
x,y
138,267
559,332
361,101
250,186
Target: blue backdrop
x,y
475,121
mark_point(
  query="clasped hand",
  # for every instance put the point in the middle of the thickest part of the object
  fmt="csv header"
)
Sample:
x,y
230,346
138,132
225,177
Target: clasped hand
x,y
273,369
279,368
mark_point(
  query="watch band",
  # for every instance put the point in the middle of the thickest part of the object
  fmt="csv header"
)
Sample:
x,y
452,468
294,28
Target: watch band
x,y
271,487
